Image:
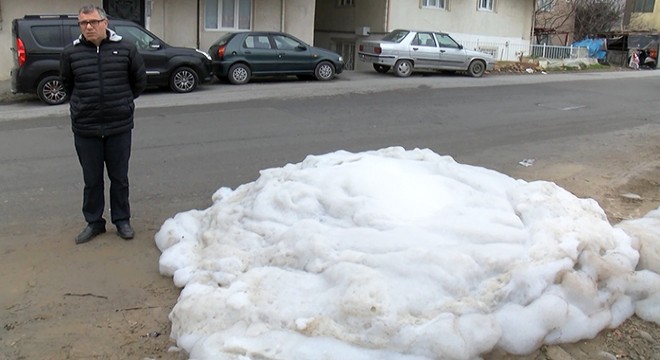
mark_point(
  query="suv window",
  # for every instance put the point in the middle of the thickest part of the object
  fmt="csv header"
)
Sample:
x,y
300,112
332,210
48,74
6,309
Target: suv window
x,y
134,35
71,33
47,36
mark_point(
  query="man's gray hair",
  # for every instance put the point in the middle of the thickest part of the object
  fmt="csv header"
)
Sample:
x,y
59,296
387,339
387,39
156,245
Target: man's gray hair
x,y
90,8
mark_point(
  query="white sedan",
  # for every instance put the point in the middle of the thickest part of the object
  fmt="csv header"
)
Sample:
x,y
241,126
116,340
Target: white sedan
x,y
406,51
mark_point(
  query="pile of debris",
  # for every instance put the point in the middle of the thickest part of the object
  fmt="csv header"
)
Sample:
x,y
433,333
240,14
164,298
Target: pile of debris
x,y
517,67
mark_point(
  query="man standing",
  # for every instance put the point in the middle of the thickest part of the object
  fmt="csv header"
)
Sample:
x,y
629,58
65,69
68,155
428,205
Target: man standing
x,y
103,75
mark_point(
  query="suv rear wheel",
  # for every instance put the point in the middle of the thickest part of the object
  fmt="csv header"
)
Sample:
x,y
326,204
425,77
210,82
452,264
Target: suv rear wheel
x,y
184,80
51,90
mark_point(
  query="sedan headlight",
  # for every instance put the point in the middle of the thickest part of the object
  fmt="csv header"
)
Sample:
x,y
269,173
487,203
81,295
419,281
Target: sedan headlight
x,y
341,59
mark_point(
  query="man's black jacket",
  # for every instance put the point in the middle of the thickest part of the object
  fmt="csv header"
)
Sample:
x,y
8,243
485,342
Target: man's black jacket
x,y
103,81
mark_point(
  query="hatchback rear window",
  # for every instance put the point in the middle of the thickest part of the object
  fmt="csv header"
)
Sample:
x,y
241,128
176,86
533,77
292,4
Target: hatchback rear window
x,y
48,36
224,39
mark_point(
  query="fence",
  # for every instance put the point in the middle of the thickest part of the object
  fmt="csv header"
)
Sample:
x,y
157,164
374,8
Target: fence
x,y
508,51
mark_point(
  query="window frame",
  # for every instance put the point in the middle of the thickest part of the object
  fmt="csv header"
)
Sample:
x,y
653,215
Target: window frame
x,y
236,15
486,5
644,6
437,4
545,5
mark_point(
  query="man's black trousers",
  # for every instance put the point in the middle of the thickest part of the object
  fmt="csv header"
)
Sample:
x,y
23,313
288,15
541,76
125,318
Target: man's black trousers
x,y
113,153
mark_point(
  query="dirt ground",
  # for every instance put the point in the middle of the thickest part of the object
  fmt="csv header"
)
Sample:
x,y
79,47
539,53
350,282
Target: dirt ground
x,y
106,299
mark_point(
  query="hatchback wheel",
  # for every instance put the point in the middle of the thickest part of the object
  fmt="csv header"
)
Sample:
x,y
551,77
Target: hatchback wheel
x,y
239,74
51,91
403,68
381,68
184,80
324,71
476,68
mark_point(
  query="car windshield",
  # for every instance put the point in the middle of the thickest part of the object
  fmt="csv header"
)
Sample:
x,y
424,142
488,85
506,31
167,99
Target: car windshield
x,y
134,35
396,36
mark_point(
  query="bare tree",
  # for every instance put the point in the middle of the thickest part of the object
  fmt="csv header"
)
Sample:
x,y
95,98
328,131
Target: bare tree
x,y
554,21
596,16
576,19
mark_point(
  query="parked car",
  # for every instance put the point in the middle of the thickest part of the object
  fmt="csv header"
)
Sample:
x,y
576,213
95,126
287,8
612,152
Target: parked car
x,y
238,56
40,39
406,51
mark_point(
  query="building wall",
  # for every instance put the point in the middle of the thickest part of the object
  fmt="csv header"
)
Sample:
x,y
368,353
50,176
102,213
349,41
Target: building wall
x,y
178,22
511,18
646,21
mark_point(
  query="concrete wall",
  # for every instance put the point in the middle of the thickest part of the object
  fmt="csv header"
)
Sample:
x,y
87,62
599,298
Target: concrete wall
x,y
175,21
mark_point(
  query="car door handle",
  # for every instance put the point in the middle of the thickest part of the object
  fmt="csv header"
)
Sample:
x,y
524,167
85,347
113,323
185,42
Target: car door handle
x,y
443,50
248,52
415,48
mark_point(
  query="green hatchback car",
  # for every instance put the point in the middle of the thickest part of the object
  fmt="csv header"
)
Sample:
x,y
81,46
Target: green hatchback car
x,y
238,56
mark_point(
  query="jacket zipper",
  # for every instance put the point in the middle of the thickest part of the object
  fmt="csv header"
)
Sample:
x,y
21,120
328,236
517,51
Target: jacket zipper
x,y
101,94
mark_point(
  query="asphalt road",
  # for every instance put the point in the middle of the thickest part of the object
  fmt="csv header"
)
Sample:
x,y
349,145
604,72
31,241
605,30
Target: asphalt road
x,y
187,146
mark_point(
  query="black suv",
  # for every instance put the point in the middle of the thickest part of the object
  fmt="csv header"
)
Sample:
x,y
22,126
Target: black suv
x,y
39,40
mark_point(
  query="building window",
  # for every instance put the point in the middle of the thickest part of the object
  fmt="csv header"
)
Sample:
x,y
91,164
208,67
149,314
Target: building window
x,y
228,14
644,5
485,5
435,4
545,5
344,2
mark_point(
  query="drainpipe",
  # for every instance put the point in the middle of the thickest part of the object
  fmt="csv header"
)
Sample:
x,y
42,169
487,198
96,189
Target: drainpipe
x,y
199,14
387,16
283,12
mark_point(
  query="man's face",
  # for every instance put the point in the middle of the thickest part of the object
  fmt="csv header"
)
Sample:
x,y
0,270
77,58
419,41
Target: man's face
x,y
93,26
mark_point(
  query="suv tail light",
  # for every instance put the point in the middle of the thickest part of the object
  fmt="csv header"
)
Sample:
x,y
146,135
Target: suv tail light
x,y
378,49
221,52
20,52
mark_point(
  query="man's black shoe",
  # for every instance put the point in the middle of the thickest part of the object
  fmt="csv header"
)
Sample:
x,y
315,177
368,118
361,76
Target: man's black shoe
x,y
89,233
125,231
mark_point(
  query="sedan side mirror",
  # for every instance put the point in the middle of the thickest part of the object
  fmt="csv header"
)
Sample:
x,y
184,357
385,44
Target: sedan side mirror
x,y
460,47
301,48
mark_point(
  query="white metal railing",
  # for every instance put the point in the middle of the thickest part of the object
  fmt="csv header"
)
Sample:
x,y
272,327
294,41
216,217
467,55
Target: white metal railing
x,y
508,51
559,52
